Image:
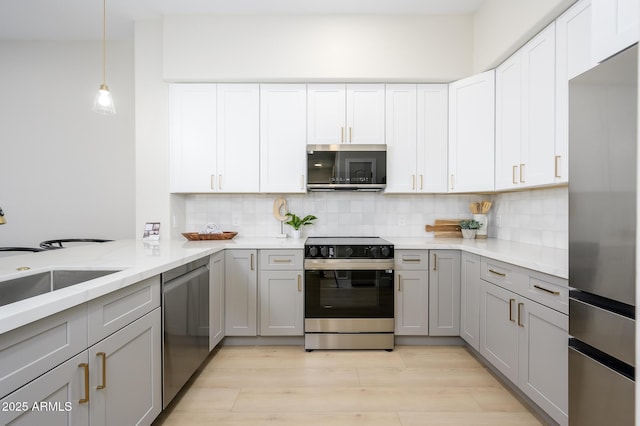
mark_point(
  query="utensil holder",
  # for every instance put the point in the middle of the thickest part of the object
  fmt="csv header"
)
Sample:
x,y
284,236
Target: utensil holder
x,y
482,219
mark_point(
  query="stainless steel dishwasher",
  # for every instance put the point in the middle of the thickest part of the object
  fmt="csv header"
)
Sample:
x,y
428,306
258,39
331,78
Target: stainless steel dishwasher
x,y
185,324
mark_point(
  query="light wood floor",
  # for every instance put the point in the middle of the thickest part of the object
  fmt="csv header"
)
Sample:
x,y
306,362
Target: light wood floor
x,y
284,385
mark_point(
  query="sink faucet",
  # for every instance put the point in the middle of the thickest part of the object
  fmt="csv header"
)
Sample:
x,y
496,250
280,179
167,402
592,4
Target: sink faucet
x,y
2,219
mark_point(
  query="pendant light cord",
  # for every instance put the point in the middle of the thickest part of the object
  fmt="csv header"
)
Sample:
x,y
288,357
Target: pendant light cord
x,y
104,42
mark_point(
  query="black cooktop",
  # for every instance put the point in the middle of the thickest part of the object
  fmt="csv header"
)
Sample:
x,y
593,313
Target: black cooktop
x,y
348,247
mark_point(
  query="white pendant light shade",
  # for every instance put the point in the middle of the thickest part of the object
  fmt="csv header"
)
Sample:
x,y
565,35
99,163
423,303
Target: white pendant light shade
x,y
103,103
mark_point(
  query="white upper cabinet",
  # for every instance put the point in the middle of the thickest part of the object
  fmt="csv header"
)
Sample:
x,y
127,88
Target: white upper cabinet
x,y
615,26
573,57
471,133
339,113
283,120
214,138
192,128
416,138
525,115
238,137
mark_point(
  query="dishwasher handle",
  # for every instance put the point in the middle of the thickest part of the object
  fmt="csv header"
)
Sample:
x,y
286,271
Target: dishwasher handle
x,y
182,279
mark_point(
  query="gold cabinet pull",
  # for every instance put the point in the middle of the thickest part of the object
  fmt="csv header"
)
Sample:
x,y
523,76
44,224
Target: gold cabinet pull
x,y
451,182
421,182
399,279
411,259
213,182
500,274
350,134
514,172
413,182
301,181
299,283
511,310
555,293
251,261
341,134
522,173
104,370
520,305
220,182
85,366
435,262
281,260
557,166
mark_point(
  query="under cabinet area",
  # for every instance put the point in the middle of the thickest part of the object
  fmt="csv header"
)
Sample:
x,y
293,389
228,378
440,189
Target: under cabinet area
x,y
240,292
444,292
470,299
412,293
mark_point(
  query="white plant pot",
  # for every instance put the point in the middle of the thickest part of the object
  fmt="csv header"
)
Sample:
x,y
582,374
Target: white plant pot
x,y
469,233
295,233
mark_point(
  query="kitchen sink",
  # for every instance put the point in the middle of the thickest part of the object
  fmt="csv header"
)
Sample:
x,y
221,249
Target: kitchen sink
x,y
44,282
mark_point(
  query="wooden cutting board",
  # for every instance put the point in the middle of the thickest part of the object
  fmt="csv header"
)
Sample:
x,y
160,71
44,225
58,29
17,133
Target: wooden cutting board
x,y
445,228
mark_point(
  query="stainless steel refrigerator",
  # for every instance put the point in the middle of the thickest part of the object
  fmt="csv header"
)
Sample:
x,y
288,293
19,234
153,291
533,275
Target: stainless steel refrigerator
x,y
602,241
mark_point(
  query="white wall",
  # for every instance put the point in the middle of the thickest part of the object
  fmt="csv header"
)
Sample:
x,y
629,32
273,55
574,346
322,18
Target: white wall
x,y
503,26
316,48
65,171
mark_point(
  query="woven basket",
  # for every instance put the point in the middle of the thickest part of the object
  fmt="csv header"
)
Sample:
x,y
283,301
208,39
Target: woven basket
x,y
195,236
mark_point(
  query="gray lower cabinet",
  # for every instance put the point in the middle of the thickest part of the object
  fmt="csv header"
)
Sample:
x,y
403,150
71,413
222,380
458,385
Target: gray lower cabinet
x,y
527,342
281,291
411,293
470,299
216,299
240,292
444,292
115,381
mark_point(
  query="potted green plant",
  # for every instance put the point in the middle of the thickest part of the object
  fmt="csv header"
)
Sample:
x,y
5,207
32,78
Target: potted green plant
x,y
469,228
295,222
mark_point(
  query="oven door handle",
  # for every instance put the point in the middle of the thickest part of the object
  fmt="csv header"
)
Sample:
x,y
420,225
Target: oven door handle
x,y
348,264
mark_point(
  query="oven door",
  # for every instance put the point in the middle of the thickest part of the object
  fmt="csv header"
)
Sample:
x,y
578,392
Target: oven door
x,y
356,293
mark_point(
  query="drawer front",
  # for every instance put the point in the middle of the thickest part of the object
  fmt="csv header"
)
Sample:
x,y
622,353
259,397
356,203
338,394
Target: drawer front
x,y
412,260
113,311
29,351
503,274
281,260
549,291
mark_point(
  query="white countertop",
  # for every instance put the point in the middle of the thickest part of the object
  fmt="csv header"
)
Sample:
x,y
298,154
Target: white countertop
x,y
138,261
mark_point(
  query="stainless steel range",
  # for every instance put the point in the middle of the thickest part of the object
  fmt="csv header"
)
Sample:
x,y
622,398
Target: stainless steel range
x,y
348,293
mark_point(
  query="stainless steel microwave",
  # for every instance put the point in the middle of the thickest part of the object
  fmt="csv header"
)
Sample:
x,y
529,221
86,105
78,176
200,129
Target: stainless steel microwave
x,y
350,167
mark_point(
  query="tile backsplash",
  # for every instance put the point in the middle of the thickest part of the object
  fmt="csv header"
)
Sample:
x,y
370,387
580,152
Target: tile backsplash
x,y
536,217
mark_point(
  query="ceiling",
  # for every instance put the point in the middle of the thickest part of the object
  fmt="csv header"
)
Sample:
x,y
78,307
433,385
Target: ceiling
x,y
82,19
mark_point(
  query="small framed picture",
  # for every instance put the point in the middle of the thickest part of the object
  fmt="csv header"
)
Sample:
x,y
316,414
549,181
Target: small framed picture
x,y
151,231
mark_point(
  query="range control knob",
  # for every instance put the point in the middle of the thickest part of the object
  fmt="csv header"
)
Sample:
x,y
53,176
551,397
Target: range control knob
x,y
348,252
385,251
324,251
374,251
313,251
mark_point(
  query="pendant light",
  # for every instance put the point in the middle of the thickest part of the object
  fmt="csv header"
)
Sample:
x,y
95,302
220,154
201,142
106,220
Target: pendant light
x,y
103,103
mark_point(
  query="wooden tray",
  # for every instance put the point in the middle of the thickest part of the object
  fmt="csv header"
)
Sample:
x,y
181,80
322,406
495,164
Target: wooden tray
x,y
195,236
445,228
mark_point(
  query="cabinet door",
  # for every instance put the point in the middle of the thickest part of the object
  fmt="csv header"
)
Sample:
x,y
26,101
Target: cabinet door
x,y
471,133
240,293
537,157
58,392
126,374
281,303
615,26
470,299
573,57
412,303
326,111
508,121
543,356
216,299
444,293
431,154
238,135
283,123
192,140
498,329
401,138
365,114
